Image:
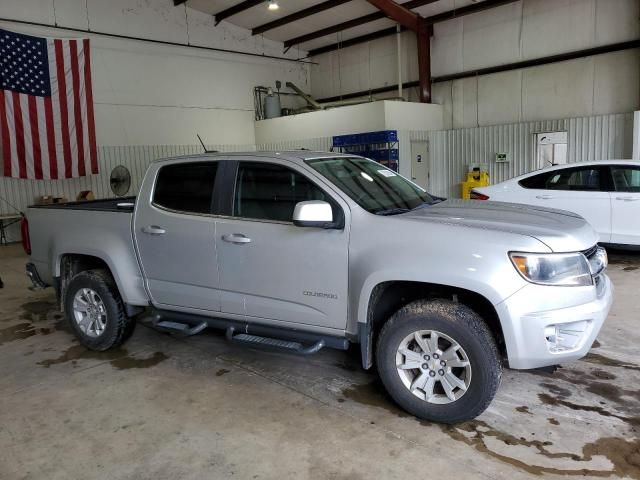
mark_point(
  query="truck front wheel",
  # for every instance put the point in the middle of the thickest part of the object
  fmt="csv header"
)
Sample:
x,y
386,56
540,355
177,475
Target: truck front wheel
x,y
439,361
96,312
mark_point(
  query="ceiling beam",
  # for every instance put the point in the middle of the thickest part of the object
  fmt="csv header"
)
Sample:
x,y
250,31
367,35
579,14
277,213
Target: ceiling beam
x,y
399,13
441,17
240,7
350,24
178,2
320,7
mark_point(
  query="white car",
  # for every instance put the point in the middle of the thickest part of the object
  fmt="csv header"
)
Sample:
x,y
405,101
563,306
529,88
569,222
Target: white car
x,y
605,193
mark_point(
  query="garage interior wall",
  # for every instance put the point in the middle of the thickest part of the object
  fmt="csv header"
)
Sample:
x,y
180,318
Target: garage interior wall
x,y
151,94
522,30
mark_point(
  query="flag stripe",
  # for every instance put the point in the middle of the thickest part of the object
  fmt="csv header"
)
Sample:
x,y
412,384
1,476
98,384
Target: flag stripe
x,y
83,110
55,110
51,138
75,75
35,137
6,139
42,137
88,89
64,113
11,124
17,117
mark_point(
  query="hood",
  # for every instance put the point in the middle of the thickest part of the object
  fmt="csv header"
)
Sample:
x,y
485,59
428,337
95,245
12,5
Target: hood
x,y
560,230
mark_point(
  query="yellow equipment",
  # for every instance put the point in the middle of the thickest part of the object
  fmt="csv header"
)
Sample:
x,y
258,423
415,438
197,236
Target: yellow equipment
x,y
477,176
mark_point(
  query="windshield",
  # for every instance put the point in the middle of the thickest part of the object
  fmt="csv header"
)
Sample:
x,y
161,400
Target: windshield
x,y
371,185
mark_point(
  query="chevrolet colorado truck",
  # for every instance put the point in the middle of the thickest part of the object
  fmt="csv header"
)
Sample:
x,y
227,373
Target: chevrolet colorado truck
x,y
303,250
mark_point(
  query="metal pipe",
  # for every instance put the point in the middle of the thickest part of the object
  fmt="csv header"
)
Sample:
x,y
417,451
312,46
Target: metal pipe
x,y
306,97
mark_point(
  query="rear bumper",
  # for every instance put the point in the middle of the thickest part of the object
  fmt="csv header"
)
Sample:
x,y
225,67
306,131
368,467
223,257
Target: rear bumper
x,y
538,333
34,276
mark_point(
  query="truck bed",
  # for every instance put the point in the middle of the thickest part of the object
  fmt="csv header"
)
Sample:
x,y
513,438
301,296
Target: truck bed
x,y
122,204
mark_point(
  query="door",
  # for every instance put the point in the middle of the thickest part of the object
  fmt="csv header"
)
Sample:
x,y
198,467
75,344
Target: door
x,y
551,149
175,237
625,204
420,163
581,190
271,269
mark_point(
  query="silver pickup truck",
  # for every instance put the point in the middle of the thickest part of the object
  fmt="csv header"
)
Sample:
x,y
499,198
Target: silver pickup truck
x,y
303,250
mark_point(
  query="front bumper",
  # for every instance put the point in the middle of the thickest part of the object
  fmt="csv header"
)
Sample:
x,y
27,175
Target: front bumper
x,y
544,325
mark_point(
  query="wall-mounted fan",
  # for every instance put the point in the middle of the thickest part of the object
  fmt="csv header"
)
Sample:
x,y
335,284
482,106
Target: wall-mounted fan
x,y
120,180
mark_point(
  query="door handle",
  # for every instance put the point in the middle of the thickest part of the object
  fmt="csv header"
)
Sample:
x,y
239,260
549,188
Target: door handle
x,y
544,197
236,238
628,199
154,230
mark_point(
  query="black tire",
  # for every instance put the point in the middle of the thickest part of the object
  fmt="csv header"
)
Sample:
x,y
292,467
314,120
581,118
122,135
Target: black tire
x,y
118,326
464,326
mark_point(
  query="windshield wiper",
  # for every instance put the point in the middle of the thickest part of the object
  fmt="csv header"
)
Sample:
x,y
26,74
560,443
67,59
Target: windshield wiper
x,y
392,211
435,201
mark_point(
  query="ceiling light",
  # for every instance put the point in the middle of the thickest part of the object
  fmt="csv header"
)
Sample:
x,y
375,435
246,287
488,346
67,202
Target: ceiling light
x,y
273,5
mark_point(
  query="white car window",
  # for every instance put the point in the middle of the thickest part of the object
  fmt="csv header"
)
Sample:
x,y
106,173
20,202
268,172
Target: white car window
x,y
626,179
586,179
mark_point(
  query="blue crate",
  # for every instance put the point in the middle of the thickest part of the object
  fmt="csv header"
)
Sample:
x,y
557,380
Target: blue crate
x,y
384,136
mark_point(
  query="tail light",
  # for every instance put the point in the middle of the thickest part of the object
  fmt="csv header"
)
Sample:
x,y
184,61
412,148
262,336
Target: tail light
x,y
478,196
26,240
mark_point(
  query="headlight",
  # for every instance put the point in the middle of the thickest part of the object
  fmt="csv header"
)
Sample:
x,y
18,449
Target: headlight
x,y
560,269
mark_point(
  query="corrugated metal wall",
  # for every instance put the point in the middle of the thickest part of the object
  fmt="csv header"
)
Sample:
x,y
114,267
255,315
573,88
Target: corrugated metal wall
x,y
452,151
21,193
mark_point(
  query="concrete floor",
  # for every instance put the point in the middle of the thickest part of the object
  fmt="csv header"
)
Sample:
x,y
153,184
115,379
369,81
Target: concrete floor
x,y
166,408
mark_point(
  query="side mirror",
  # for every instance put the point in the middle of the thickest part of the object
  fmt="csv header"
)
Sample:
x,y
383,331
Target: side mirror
x,y
314,213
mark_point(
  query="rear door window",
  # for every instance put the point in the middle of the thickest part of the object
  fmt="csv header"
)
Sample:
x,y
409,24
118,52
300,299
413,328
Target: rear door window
x,y
583,179
186,187
625,178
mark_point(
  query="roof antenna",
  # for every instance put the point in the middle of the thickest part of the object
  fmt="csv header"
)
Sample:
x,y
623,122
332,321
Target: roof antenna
x,y
204,146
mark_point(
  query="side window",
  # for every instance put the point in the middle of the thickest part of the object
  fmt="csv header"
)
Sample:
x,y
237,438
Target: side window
x,y
585,179
626,179
186,187
537,181
267,191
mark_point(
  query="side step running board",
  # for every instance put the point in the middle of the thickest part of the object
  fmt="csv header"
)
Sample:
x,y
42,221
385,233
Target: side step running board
x,y
181,328
274,343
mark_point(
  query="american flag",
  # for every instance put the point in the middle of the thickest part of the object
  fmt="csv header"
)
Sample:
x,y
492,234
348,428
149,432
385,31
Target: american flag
x,y
46,107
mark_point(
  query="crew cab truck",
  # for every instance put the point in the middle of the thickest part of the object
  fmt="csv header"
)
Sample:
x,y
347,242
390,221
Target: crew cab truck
x,y
303,250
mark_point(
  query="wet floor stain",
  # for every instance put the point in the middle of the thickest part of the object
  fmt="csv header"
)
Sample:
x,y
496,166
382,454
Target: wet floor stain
x,y
598,359
120,358
523,409
624,455
553,421
373,395
37,311
221,372
605,412
21,331
596,381
38,318
630,269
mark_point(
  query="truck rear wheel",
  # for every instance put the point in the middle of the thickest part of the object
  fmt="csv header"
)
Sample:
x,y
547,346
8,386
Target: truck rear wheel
x,y
439,361
96,312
